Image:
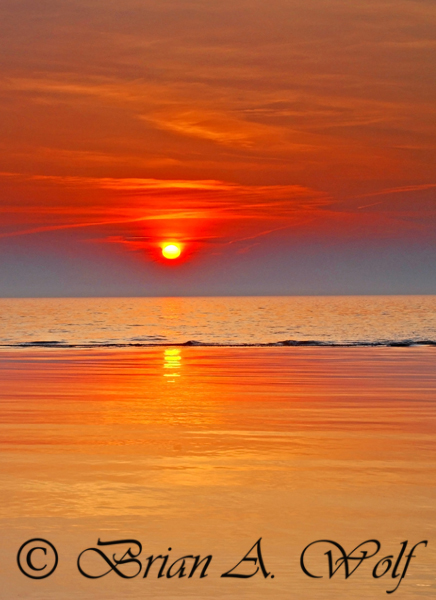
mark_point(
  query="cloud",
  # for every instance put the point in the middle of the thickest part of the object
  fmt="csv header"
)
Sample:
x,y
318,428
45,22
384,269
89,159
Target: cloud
x,y
129,202
124,184
400,190
188,116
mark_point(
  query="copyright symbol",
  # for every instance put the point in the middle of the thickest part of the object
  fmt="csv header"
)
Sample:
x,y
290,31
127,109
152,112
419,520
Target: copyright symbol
x,y
37,558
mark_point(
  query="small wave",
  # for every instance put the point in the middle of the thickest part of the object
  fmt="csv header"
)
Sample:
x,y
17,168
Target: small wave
x,y
155,342
149,338
42,343
364,344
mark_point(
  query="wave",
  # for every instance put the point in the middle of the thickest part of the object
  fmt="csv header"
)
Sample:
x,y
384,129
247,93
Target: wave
x,y
283,343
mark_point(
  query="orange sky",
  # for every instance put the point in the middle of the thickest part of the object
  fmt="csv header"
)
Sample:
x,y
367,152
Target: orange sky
x,y
276,130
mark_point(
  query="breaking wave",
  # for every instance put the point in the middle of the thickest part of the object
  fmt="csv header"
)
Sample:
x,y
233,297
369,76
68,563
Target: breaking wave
x,y
283,343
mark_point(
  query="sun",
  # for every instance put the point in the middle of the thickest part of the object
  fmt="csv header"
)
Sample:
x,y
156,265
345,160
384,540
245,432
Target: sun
x,y
171,251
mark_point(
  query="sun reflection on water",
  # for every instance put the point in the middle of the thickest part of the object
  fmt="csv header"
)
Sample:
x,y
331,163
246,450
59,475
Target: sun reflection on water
x,y
172,362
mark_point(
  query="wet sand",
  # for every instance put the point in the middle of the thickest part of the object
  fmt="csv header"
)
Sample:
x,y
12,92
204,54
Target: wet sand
x,y
205,450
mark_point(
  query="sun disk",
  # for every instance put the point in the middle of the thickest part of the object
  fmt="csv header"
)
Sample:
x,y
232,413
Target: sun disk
x,y
171,251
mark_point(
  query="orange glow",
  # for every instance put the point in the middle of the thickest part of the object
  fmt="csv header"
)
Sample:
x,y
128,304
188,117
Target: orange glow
x,y
213,153
171,251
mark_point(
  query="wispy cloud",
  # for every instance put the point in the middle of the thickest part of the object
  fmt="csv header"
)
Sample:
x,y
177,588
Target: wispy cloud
x,y
399,190
128,184
128,202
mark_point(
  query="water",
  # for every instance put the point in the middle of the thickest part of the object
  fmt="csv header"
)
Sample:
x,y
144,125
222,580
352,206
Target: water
x,y
342,320
134,419
205,450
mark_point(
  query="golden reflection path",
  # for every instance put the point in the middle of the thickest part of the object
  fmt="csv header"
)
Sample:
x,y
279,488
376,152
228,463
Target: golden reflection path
x,y
172,362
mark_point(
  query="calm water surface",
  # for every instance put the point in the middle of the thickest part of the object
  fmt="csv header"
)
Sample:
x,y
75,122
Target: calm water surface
x,y
350,320
204,450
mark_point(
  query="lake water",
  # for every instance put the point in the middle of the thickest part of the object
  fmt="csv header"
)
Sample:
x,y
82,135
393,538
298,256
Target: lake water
x,y
351,320
205,450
